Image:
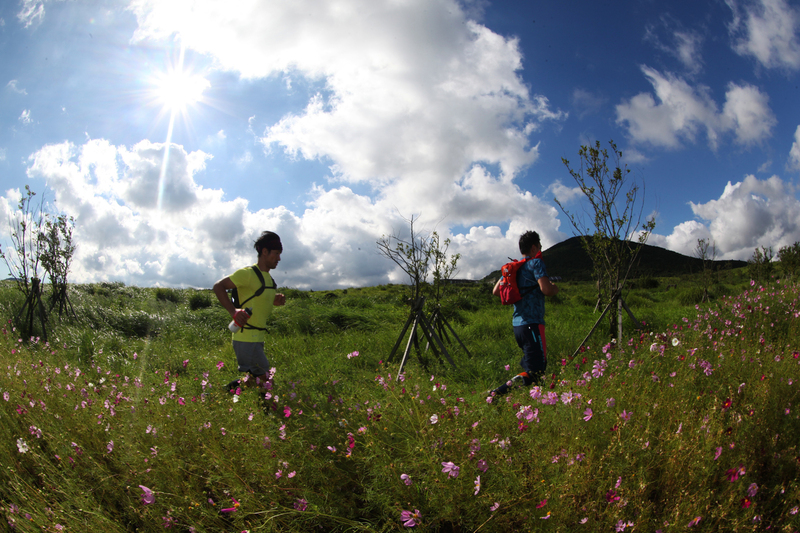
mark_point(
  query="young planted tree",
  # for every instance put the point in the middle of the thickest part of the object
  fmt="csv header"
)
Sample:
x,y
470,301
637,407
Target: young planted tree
x,y
615,213
760,265
42,247
418,255
56,256
444,266
410,254
706,251
24,262
789,257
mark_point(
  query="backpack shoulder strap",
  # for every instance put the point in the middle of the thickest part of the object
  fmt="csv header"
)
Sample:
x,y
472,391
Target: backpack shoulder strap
x,y
260,289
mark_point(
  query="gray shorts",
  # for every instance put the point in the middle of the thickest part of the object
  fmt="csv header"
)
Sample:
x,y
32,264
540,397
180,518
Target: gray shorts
x,y
251,357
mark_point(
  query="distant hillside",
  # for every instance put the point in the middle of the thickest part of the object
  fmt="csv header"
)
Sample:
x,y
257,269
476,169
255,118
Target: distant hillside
x,y
569,261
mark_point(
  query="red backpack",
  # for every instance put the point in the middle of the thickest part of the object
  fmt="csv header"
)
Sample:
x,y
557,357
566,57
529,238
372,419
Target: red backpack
x,y
509,291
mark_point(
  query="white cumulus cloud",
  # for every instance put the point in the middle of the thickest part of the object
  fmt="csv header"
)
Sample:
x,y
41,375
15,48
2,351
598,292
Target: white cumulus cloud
x,y
195,236
680,112
748,214
794,153
768,30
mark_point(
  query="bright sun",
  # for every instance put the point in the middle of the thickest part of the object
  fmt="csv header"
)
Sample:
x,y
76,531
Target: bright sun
x,y
178,89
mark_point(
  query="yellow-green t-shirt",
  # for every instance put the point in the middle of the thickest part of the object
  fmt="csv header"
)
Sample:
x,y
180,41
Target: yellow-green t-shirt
x,y
247,283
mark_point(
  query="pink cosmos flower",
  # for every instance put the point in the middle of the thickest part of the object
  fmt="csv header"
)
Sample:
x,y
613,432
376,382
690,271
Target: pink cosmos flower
x,y
450,468
231,509
482,465
695,521
220,365
495,507
477,485
301,504
147,495
406,479
588,414
410,519
541,504
625,415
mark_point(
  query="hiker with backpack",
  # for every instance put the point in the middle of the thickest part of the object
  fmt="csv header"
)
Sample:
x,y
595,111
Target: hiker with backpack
x,y
524,284
254,295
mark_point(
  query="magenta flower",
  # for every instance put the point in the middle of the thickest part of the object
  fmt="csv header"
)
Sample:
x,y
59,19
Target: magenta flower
x,y
220,365
287,411
726,404
410,519
541,504
450,468
625,415
482,465
695,521
231,509
301,504
147,495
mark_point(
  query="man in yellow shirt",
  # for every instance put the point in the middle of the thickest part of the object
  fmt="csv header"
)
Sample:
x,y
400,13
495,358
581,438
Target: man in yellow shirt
x,y
256,288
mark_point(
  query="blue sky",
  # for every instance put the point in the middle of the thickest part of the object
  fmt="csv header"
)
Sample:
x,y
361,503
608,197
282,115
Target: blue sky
x,y
175,132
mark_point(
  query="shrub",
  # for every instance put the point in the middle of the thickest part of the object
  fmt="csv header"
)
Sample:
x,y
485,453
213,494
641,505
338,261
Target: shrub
x,y
199,300
164,294
646,282
690,296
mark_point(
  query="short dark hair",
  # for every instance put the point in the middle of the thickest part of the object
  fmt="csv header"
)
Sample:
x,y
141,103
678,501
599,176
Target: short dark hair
x,y
268,240
528,239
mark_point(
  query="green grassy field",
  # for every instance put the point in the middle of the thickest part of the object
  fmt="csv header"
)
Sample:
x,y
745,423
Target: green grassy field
x,y
121,421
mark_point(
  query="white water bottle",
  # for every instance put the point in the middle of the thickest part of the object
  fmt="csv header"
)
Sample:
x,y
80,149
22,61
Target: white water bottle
x,y
233,326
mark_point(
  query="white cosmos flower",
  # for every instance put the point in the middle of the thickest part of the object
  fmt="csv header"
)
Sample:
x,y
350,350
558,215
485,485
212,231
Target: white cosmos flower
x,y
22,446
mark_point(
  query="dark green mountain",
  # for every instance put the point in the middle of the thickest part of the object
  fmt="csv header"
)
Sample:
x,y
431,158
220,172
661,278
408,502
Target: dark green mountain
x,y
569,261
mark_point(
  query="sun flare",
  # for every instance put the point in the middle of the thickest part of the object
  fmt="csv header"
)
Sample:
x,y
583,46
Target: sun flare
x,y
179,89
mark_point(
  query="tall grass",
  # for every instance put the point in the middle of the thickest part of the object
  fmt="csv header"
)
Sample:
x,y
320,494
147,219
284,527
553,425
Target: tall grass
x,y
691,421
